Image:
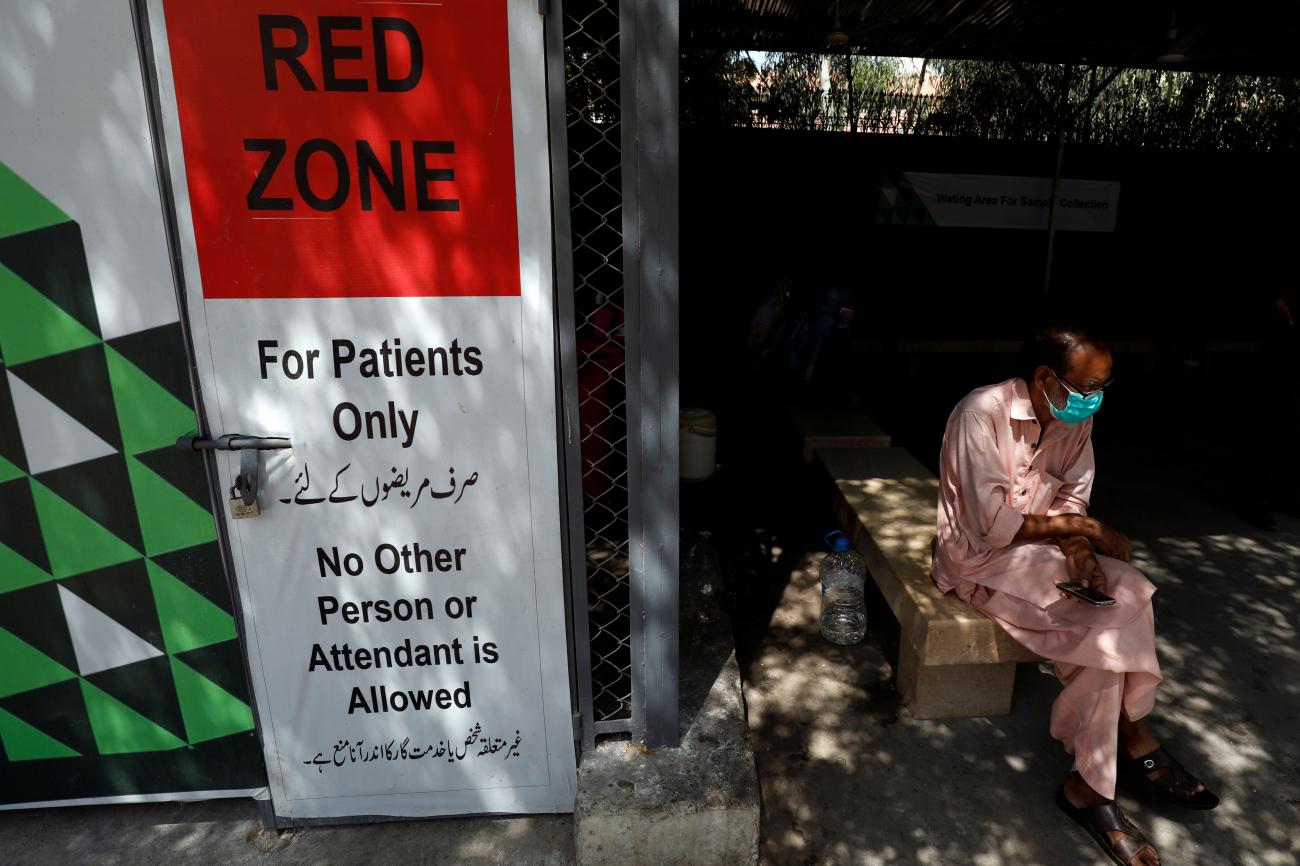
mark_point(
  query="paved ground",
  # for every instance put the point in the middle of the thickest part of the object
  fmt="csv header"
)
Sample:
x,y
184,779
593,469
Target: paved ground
x,y
227,833
849,778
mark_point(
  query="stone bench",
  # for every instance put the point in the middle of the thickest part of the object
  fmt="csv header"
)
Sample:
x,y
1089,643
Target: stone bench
x,y
835,427
952,660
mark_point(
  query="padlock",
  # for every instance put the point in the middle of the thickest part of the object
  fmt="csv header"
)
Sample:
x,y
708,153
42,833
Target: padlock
x,y
238,510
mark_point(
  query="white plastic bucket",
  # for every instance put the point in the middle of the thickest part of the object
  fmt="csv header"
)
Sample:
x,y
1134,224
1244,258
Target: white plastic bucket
x,y
699,443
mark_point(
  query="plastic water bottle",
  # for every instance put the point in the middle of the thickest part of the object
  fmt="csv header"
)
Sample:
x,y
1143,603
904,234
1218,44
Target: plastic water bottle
x,y
843,578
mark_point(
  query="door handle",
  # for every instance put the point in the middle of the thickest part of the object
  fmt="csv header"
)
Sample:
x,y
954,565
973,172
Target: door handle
x,y
233,442
246,480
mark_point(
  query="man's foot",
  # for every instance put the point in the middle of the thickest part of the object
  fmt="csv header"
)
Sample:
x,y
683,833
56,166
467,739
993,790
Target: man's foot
x,y
1142,755
1103,819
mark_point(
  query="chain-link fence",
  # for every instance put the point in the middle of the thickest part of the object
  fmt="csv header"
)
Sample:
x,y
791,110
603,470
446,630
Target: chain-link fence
x,y
1113,122
592,79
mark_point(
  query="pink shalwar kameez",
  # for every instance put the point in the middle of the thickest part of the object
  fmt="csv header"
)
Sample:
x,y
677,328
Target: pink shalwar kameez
x,y
994,470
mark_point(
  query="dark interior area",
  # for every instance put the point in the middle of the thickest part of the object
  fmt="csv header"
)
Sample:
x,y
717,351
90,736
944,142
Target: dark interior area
x,y
1182,289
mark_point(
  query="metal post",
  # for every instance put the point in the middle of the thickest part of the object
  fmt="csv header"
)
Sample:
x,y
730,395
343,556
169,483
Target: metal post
x,y
1062,121
848,67
649,45
825,82
570,433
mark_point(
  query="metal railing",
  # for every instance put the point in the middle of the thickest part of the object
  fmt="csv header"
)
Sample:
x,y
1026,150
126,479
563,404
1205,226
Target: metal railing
x,y
1195,121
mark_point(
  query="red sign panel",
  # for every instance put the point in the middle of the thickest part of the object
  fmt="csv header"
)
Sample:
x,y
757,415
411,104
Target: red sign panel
x,y
337,148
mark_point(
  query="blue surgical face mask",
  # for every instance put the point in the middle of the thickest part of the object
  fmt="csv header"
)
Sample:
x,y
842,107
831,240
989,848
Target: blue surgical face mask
x,y
1078,408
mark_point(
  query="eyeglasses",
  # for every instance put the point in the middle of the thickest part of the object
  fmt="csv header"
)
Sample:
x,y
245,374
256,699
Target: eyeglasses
x,y
1076,389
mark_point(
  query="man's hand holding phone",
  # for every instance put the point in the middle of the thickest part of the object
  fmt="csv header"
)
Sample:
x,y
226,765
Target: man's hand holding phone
x,y
1082,566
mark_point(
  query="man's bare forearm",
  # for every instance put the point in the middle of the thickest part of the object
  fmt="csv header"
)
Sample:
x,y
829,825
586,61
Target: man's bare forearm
x,y
1064,529
1071,532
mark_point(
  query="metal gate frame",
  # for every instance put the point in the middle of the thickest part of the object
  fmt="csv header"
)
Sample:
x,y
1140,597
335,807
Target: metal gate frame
x,y
651,48
648,48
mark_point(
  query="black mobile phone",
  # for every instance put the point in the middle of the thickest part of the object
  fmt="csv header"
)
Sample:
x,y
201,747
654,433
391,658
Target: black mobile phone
x,y
1086,593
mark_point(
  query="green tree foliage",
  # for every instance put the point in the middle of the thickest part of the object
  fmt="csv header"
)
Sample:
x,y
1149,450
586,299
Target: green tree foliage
x,y
722,87
1138,107
1134,108
736,88
789,90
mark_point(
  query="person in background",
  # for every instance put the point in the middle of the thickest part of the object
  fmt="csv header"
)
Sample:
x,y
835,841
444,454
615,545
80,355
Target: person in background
x,y
1016,475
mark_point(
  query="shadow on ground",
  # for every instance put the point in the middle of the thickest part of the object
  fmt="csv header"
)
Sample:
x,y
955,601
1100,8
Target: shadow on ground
x,y
848,777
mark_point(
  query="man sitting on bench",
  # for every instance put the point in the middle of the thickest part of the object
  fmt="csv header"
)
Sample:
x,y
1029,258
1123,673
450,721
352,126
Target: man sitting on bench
x,y
1015,476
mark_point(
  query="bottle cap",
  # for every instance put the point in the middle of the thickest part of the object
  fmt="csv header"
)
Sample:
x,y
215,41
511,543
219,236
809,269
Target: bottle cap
x,y
838,541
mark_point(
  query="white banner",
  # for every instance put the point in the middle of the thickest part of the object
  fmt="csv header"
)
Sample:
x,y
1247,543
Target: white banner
x,y
1004,201
367,250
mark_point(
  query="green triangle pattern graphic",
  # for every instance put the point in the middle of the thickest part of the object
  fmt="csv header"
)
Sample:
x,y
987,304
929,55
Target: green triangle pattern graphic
x,y
74,542
188,620
16,572
169,520
31,325
22,742
24,209
8,471
119,729
209,710
150,417
23,667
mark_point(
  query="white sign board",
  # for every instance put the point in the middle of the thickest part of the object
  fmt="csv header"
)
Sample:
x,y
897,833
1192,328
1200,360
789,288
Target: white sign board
x,y
1005,201
364,201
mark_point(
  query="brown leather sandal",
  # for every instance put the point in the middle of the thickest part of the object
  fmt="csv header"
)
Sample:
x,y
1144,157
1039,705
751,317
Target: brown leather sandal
x,y
1176,786
1097,820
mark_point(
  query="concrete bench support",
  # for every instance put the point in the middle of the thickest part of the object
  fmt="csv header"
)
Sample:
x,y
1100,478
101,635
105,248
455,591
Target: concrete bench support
x,y
954,691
